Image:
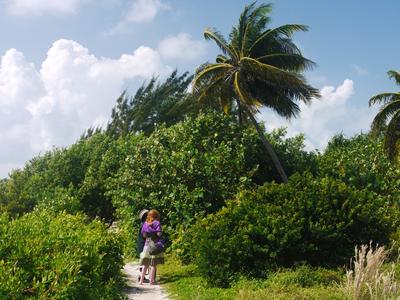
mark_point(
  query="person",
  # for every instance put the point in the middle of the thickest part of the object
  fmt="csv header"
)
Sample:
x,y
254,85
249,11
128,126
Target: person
x,y
151,231
140,239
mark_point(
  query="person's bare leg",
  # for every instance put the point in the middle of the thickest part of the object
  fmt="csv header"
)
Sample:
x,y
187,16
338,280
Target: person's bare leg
x,y
143,274
153,272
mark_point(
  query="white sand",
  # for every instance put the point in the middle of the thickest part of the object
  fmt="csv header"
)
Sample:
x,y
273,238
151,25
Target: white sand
x,y
141,292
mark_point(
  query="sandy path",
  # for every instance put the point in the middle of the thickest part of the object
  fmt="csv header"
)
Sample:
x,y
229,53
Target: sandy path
x,y
141,292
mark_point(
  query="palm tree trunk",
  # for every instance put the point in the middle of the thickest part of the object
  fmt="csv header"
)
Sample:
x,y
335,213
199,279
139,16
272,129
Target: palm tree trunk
x,y
240,113
268,147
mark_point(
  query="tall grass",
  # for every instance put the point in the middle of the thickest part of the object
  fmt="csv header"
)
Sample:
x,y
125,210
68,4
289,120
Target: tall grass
x,y
369,278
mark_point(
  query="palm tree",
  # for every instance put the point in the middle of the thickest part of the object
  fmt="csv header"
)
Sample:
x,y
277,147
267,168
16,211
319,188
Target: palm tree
x,y
387,121
258,67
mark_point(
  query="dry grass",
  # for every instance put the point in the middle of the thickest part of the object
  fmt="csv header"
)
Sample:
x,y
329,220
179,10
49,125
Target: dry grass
x,y
369,279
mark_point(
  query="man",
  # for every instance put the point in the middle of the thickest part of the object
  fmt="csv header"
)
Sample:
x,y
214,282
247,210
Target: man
x,y
140,239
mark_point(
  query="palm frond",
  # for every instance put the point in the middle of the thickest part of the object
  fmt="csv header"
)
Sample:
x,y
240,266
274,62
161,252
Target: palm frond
x,y
252,22
282,101
260,17
201,67
288,62
221,59
213,84
237,38
242,92
270,74
394,75
304,93
383,98
261,10
225,104
284,31
386,112
290,84
274,46
210,70
283,106
208,89
213,34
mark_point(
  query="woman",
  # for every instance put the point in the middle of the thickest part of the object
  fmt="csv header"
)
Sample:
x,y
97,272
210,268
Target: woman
x,y
151,231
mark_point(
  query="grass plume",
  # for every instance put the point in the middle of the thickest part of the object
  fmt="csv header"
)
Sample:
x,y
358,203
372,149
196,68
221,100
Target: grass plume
x,y
370,278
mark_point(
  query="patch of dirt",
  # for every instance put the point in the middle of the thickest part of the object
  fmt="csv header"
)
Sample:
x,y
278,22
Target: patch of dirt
x,y
136,291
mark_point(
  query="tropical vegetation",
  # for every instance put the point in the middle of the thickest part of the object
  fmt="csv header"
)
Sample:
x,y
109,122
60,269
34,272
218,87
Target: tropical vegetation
x,y
387,121
238,224
44,255
260,66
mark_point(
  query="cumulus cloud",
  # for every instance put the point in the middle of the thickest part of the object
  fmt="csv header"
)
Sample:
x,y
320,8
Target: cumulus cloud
x,y
183,47
72,90
40,7
325,117
139,11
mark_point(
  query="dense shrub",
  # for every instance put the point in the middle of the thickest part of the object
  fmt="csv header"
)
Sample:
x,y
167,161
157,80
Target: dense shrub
x,y
14,197
292,154
191,168
360,161
91,191
183,170
49,256
311,220
71,179
186,170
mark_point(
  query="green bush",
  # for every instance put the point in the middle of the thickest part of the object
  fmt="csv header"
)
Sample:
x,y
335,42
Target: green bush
x,y
191,168
312,220
360,161
58,256
184,170
71,179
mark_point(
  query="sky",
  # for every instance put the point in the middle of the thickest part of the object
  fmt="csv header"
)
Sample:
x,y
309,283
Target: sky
x,y
63,63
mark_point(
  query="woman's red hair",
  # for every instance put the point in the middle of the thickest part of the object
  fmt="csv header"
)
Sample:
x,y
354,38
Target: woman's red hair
x,y
152,215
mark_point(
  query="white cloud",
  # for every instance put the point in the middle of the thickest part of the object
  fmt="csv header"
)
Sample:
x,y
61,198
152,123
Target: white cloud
x,y
183,47
144,10
139,11
40,7
72,91
325,117
360,71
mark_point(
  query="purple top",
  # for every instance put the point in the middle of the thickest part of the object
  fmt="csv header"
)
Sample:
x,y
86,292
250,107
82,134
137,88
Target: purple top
x,y
152,230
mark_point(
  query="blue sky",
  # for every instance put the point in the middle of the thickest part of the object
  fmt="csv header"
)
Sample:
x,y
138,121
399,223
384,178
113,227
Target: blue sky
x,y
63,63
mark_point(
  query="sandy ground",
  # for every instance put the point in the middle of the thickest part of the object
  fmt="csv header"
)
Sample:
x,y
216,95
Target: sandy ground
x,y
141,292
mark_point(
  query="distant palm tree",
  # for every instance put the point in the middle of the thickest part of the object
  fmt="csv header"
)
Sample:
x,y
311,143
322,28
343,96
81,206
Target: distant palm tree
x,y
258,67
387,121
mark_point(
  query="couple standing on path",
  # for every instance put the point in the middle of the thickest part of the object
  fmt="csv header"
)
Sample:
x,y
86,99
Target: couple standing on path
x,y
149,244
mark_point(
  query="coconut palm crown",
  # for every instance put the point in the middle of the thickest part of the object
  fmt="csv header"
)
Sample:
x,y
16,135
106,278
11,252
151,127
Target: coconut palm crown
x,y
259,66
387,121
